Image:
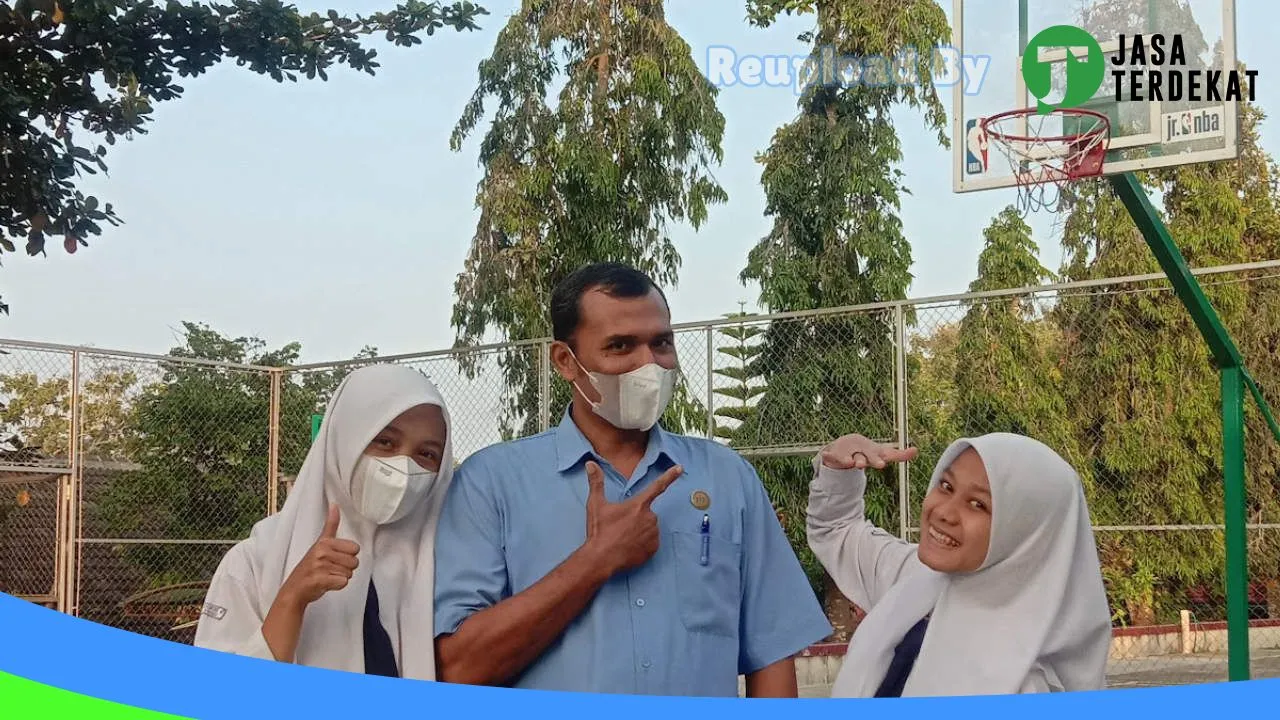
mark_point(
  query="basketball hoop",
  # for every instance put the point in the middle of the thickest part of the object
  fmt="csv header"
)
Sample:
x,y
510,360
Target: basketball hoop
x,y
1042,161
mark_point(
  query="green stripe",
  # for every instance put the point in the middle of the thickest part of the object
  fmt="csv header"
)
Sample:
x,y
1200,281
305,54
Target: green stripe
x,y
27,700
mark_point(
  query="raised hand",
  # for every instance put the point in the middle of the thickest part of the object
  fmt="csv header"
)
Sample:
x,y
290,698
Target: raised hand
x,y
327,566
855,451
625,533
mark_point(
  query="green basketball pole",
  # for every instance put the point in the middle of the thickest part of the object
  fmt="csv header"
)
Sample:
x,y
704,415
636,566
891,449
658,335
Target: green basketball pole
x,y
1235,379
315,426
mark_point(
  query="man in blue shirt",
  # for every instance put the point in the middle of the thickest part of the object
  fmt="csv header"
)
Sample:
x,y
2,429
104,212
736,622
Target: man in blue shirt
x,y
606,554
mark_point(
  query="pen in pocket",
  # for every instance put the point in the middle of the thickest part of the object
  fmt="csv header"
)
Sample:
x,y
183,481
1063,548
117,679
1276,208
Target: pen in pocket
x,y
706,539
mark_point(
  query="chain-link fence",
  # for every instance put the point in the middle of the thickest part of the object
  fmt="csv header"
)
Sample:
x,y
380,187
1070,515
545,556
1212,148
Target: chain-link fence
x,y
125,477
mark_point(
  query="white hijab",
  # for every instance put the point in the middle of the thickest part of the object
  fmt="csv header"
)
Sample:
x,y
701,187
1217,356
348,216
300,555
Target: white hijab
x,y
400,556
1037,600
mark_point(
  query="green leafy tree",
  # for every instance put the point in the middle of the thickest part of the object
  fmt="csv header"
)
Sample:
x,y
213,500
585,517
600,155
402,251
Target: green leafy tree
x,y
832,187
932,402
202,443
600,173
1144,391
1258,336
1137,375
35,418
1007,380
76,75
1010,380
1195,197
743,387
37,413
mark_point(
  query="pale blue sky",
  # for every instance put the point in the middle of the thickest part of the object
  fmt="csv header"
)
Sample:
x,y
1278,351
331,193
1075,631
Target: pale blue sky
x,y
335,213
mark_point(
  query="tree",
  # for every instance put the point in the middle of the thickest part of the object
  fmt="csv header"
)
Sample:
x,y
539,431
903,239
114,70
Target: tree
x,y
600,174
1010,380
36,422
1198,198
1138,376
744,386
933,421
202,444
832,187
997,369
1258,336
77,73
37,415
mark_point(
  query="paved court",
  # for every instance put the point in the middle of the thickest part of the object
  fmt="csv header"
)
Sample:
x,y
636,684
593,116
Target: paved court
x,y
1158,671
1187,669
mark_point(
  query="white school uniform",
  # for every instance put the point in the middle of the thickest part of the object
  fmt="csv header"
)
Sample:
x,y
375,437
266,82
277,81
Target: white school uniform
x,y
400,557
1034,618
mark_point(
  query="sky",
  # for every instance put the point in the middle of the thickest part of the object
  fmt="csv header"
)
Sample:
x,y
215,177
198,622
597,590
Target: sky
x,y
336,215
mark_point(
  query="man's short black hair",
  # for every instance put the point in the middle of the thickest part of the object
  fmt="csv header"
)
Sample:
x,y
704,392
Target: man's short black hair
x,y
614,279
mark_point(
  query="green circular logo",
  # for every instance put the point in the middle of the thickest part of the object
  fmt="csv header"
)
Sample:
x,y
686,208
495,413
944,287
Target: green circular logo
x,y
1084,71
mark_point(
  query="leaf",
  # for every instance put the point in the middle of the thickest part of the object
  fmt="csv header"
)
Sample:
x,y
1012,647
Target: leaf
x,y
49,97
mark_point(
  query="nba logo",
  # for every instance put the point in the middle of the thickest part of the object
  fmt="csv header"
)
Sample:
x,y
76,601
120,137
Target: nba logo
x,y
975,141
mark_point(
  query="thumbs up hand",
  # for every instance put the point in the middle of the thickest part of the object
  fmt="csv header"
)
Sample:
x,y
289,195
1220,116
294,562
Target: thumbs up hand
x,y
327,566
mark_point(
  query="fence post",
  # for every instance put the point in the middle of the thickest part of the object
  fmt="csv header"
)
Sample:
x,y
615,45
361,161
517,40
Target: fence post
x,y
544,385
273,444
900,409
72,515
711,386
62,523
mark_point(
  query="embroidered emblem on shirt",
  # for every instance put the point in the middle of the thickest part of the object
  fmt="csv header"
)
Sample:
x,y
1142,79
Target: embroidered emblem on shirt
x,y
700,500
216,612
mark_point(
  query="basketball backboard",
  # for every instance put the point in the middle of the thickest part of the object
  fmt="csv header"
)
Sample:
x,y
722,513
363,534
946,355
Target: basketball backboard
x,y
1153,124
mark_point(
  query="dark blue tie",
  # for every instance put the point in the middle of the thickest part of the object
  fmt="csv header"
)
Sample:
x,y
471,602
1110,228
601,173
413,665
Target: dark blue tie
x,y
904,658
379,655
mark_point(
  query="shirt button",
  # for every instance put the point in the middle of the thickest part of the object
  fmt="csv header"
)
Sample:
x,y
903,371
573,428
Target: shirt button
x,y
646,664
640,603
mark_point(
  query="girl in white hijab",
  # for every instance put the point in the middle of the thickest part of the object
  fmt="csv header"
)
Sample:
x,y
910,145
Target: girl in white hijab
x,y
1004,593
343,576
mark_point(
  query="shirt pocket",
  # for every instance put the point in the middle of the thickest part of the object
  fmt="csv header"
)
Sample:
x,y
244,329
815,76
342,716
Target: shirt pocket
x,y
709,595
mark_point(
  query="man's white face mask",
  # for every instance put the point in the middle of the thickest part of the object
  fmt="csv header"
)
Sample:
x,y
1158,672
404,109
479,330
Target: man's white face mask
x,y
385,489
634,400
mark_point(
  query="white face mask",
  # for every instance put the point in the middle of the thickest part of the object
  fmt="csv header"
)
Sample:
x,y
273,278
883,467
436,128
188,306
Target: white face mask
x,y
635,400
386,489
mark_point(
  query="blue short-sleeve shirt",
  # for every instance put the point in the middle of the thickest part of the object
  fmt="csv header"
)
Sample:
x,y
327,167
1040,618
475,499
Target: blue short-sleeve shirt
x,y
684,623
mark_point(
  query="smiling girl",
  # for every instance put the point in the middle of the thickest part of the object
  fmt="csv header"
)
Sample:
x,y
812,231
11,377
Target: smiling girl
x,y
1003,595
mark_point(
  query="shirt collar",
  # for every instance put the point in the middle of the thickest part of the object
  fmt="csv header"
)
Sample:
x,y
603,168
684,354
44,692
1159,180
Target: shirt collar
x,y
572,446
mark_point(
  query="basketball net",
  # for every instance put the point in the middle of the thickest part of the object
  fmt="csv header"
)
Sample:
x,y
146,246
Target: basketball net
x,y
1043,164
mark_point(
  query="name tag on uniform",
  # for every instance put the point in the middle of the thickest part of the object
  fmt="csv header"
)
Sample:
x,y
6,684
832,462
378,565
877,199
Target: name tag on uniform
x,y
217,612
